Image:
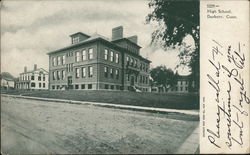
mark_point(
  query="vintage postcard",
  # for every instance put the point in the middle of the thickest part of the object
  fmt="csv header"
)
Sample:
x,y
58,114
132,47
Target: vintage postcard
x,y
124,76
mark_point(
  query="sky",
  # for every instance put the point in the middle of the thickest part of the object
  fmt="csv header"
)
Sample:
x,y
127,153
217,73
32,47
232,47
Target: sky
x,y
30,29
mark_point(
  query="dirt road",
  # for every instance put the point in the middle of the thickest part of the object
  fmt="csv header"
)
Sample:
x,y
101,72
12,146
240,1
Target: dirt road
x,y
31,126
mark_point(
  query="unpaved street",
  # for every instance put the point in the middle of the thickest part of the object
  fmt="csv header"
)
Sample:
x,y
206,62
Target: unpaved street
x,y
32,126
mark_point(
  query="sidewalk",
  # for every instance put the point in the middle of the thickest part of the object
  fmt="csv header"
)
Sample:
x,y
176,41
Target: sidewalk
x,y
163,110
191,144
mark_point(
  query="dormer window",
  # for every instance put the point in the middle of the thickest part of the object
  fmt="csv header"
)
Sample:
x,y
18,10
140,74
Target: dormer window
x,y
75,40
78,37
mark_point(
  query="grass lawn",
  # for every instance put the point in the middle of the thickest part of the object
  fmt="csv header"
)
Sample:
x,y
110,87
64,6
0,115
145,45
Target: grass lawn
x,y
157,100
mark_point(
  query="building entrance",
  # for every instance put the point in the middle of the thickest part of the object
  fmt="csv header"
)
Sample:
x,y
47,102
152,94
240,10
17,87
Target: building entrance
x,y
132,82
70,86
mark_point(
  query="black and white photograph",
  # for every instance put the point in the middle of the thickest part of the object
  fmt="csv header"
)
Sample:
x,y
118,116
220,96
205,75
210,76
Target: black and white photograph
x,y
100,77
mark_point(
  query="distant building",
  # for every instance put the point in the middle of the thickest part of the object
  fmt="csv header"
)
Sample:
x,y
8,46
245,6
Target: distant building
x,y
183,85
36,79
97,63
7,81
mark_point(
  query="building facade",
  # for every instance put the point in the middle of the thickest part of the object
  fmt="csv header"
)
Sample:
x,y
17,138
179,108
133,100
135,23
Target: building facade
x,y
97,63
36,79
183,85
7,83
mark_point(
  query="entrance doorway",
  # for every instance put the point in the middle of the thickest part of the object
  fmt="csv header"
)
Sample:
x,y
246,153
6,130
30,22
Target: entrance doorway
x,y
132,81
70,86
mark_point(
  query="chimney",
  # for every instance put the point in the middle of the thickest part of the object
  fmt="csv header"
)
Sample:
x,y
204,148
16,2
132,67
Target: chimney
x,y
117,33
35,66
25,69
133,39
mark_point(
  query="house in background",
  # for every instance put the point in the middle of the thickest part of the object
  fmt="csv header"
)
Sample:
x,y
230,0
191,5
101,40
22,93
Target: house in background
x,y
97,63
183,85
36,79
7,81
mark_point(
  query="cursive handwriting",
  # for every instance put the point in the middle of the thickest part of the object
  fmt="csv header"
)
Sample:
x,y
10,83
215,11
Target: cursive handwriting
x,y
227,65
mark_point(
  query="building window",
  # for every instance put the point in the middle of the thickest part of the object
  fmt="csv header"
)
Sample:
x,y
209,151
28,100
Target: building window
x,y
181,88
63,74
77,56
43,85
136,77
63,59
75,40
111,56
90,71
71,67
106,54
39,78
54,61
89,86
117,74
186,88
58,87
77,73
54,75
90,53
146,80
117,87
181,82
135,63
127,60
83,72
76,86
84,55
132,61
112,87
33,84
40,85
140,79
44,78
111,73
106,72
58,75
106,86
58,60
70,54
146,68
53,87
83,86
128,77
116,58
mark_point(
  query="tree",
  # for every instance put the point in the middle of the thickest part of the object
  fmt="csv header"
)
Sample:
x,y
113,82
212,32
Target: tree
x,y
176,20
163,76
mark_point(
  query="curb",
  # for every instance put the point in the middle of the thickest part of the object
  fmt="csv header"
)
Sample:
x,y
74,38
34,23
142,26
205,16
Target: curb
x,y
191,144
140,108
